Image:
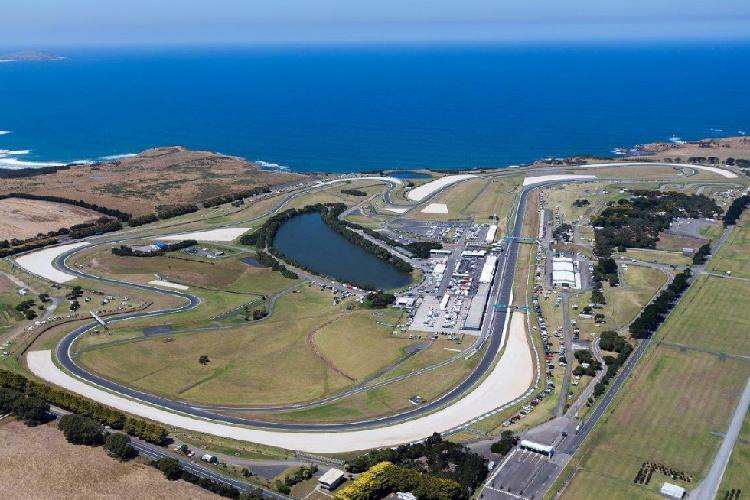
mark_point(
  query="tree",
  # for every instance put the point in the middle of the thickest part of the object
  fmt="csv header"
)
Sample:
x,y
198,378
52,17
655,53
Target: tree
x,y
79,429
170,467
203,360
32,411
282,487
253,494
506,443
118,445
246,472
7,398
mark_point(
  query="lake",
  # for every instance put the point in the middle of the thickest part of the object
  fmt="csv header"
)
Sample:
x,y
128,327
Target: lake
x,y
309,241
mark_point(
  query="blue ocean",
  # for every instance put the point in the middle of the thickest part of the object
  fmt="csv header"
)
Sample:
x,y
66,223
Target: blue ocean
x,y
337,109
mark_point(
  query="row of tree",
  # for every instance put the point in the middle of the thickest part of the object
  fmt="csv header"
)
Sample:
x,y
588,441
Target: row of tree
x,y
702,254
735,210
354,192
236,196
653,314
613,363
109,226
275,265
172,470
103,414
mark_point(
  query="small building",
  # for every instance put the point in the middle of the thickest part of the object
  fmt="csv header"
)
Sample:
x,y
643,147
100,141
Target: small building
x,y
23,291
331,479
160,245
672,490
440,252
688,252
209,458
405,301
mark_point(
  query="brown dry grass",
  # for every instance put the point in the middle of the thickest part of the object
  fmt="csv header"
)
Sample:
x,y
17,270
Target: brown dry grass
x,y
23,219
161,176
39,463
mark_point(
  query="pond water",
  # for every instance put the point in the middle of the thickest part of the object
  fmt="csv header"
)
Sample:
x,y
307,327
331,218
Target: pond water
x,y
309,241
410,175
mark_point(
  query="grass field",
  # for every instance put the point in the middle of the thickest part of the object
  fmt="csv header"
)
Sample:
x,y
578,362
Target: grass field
x,y
673,243
734,255
623,302
713,315
669,258
713,233
271,362
387,399
38,463
666,416
496,199
589,486
736,476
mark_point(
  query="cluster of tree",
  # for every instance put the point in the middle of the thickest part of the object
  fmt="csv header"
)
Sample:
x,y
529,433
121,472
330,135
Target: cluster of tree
x,y
606,270
103,414
302,474
421,249
433,456
236,196
255,314
126,251
101,227
611,341
584,356
597,296
636,222
26,308
562,232
735,210
702,254
702,159
582,202
123,216
6,251
171,469
31,411
507,441
143,219
613,365
386,478
169,211
380,300
83,430
354,192
653,314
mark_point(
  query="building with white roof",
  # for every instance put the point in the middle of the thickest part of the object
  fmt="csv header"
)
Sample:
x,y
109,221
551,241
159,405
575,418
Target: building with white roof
x,y
331,479
563,272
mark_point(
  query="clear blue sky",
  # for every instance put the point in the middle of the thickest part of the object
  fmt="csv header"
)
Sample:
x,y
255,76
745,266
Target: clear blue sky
x,y
44,23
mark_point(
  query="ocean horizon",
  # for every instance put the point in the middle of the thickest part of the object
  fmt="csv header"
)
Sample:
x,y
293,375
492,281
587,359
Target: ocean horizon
x,y
353,108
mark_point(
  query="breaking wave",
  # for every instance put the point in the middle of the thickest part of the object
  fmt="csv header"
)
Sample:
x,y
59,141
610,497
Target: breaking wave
x,y
267,165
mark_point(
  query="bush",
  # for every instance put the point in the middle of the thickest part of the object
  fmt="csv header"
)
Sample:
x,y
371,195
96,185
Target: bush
x,y
118,445
79,429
